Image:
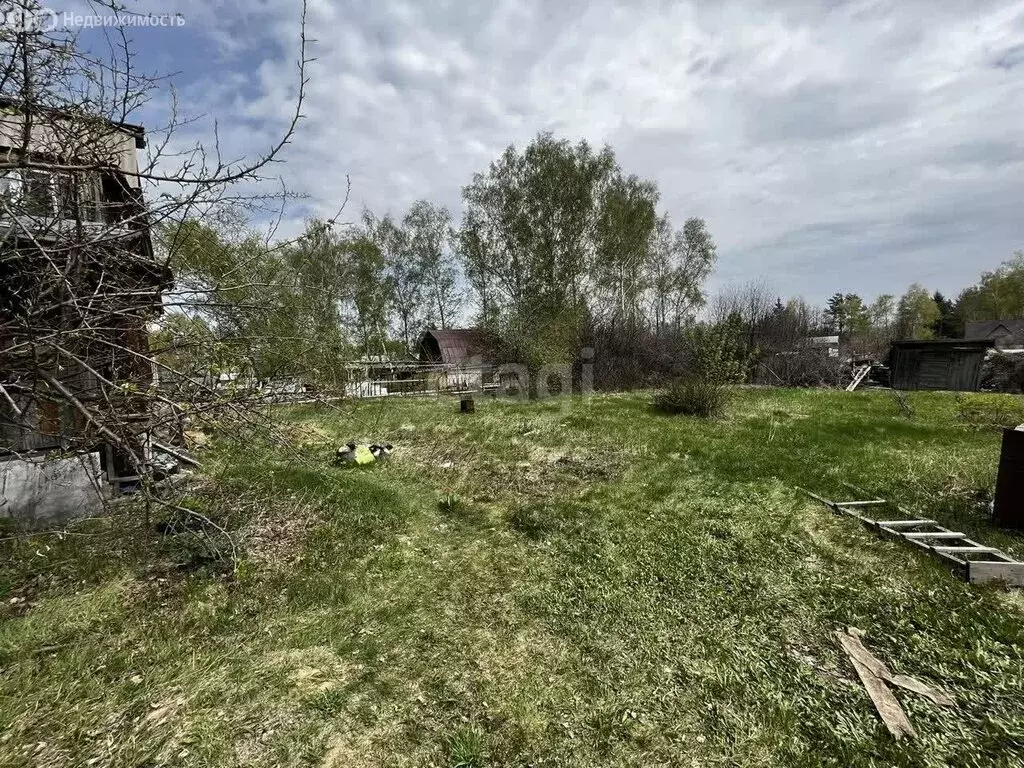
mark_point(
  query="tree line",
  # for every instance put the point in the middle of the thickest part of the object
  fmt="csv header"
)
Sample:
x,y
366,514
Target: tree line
x,y
920,314
555,240
558,249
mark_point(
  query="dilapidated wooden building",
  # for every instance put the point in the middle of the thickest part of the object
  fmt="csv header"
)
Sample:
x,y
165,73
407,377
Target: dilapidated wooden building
x,y
948,364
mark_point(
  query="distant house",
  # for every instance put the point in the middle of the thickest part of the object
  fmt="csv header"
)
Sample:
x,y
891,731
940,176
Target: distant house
x,y
1007,334
830,344
458,353
949,364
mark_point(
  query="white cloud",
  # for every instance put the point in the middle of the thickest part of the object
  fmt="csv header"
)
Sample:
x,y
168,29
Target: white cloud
x,y
858,148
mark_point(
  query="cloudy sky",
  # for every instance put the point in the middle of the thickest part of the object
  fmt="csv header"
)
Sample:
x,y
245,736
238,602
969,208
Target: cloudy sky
x,y
844,145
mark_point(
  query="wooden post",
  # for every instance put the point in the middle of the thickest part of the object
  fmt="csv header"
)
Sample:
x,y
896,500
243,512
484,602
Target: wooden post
x,y
467,405
1008,509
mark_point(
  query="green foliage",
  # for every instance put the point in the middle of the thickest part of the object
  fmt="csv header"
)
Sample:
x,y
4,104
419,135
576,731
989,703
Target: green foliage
x,y
999,295
693,396
467,747
557,233
371,291
428,227
984,410
847,315
720,359
679,264
720,353
948,325
253,308
917,314
450,503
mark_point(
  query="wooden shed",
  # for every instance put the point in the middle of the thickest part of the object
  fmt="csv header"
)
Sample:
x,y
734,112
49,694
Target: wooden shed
x,y
457,358
454,346
950,364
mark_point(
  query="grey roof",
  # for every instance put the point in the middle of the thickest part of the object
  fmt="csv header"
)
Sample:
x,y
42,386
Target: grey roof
x,y
994,329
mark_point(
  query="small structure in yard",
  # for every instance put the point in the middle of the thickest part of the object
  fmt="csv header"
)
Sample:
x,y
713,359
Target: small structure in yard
x,y
380,376
1008,506
828,344
948,364
457,357
1005,334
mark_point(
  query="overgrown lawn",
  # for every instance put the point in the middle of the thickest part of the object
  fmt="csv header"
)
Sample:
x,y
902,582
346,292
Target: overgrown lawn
x,y
568,582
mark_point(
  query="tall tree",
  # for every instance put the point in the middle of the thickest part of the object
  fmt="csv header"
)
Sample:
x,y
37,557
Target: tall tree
x,y
916,314
625,221
999,295
428,227
371,293
947,324
533,216
847,314
678,265
557,232
403,273
882,315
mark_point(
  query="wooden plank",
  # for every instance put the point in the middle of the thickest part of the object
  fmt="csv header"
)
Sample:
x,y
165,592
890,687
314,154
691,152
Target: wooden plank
x,y
935,535
851,642
885,702
976,550
859,503
904,523
988,572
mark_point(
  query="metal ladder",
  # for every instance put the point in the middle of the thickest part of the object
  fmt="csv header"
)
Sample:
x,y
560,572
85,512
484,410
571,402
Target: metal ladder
x,y
859,375
976,563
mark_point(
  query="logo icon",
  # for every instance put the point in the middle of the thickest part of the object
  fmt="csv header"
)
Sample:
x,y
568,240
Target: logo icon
x,y
31,20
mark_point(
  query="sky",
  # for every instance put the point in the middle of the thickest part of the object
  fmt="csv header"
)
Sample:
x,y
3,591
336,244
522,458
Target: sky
x,y
831,146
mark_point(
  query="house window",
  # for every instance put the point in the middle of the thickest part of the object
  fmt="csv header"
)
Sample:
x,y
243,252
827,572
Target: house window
x,y
42,194
10,187
78,196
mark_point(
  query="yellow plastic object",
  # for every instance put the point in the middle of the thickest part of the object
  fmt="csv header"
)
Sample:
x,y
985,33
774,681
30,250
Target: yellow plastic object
x,y
364,456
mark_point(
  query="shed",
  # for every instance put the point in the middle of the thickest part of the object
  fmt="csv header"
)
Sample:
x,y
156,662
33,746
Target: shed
x,y
951,364
455,359
454,346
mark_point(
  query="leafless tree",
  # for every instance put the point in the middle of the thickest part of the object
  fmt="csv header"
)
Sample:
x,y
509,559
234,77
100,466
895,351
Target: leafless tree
x,y
81,283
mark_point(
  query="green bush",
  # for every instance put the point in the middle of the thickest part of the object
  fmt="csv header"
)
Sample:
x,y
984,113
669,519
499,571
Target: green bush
x,y
718,359
693,396
985,410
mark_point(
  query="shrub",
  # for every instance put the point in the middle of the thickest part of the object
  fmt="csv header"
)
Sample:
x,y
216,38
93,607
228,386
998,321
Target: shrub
x,y
1003,373
997,411
693,396
719,358
450,503
806,367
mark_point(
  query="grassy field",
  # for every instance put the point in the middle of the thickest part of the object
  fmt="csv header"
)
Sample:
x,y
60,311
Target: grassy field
x,y
569,582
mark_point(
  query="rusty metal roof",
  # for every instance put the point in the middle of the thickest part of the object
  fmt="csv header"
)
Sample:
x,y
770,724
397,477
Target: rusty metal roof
x,y
453,346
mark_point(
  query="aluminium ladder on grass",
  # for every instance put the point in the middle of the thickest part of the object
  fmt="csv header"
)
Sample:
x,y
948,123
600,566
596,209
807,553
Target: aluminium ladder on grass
x,y
977,563
858,376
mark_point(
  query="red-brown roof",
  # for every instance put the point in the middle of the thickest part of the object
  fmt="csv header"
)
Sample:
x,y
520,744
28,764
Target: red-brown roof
x,y
452,346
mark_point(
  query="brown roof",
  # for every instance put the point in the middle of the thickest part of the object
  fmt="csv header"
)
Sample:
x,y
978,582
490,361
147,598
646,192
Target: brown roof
x,y
452,346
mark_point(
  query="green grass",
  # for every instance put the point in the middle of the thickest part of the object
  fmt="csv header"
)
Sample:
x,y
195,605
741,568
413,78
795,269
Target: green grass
x,y
569,582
